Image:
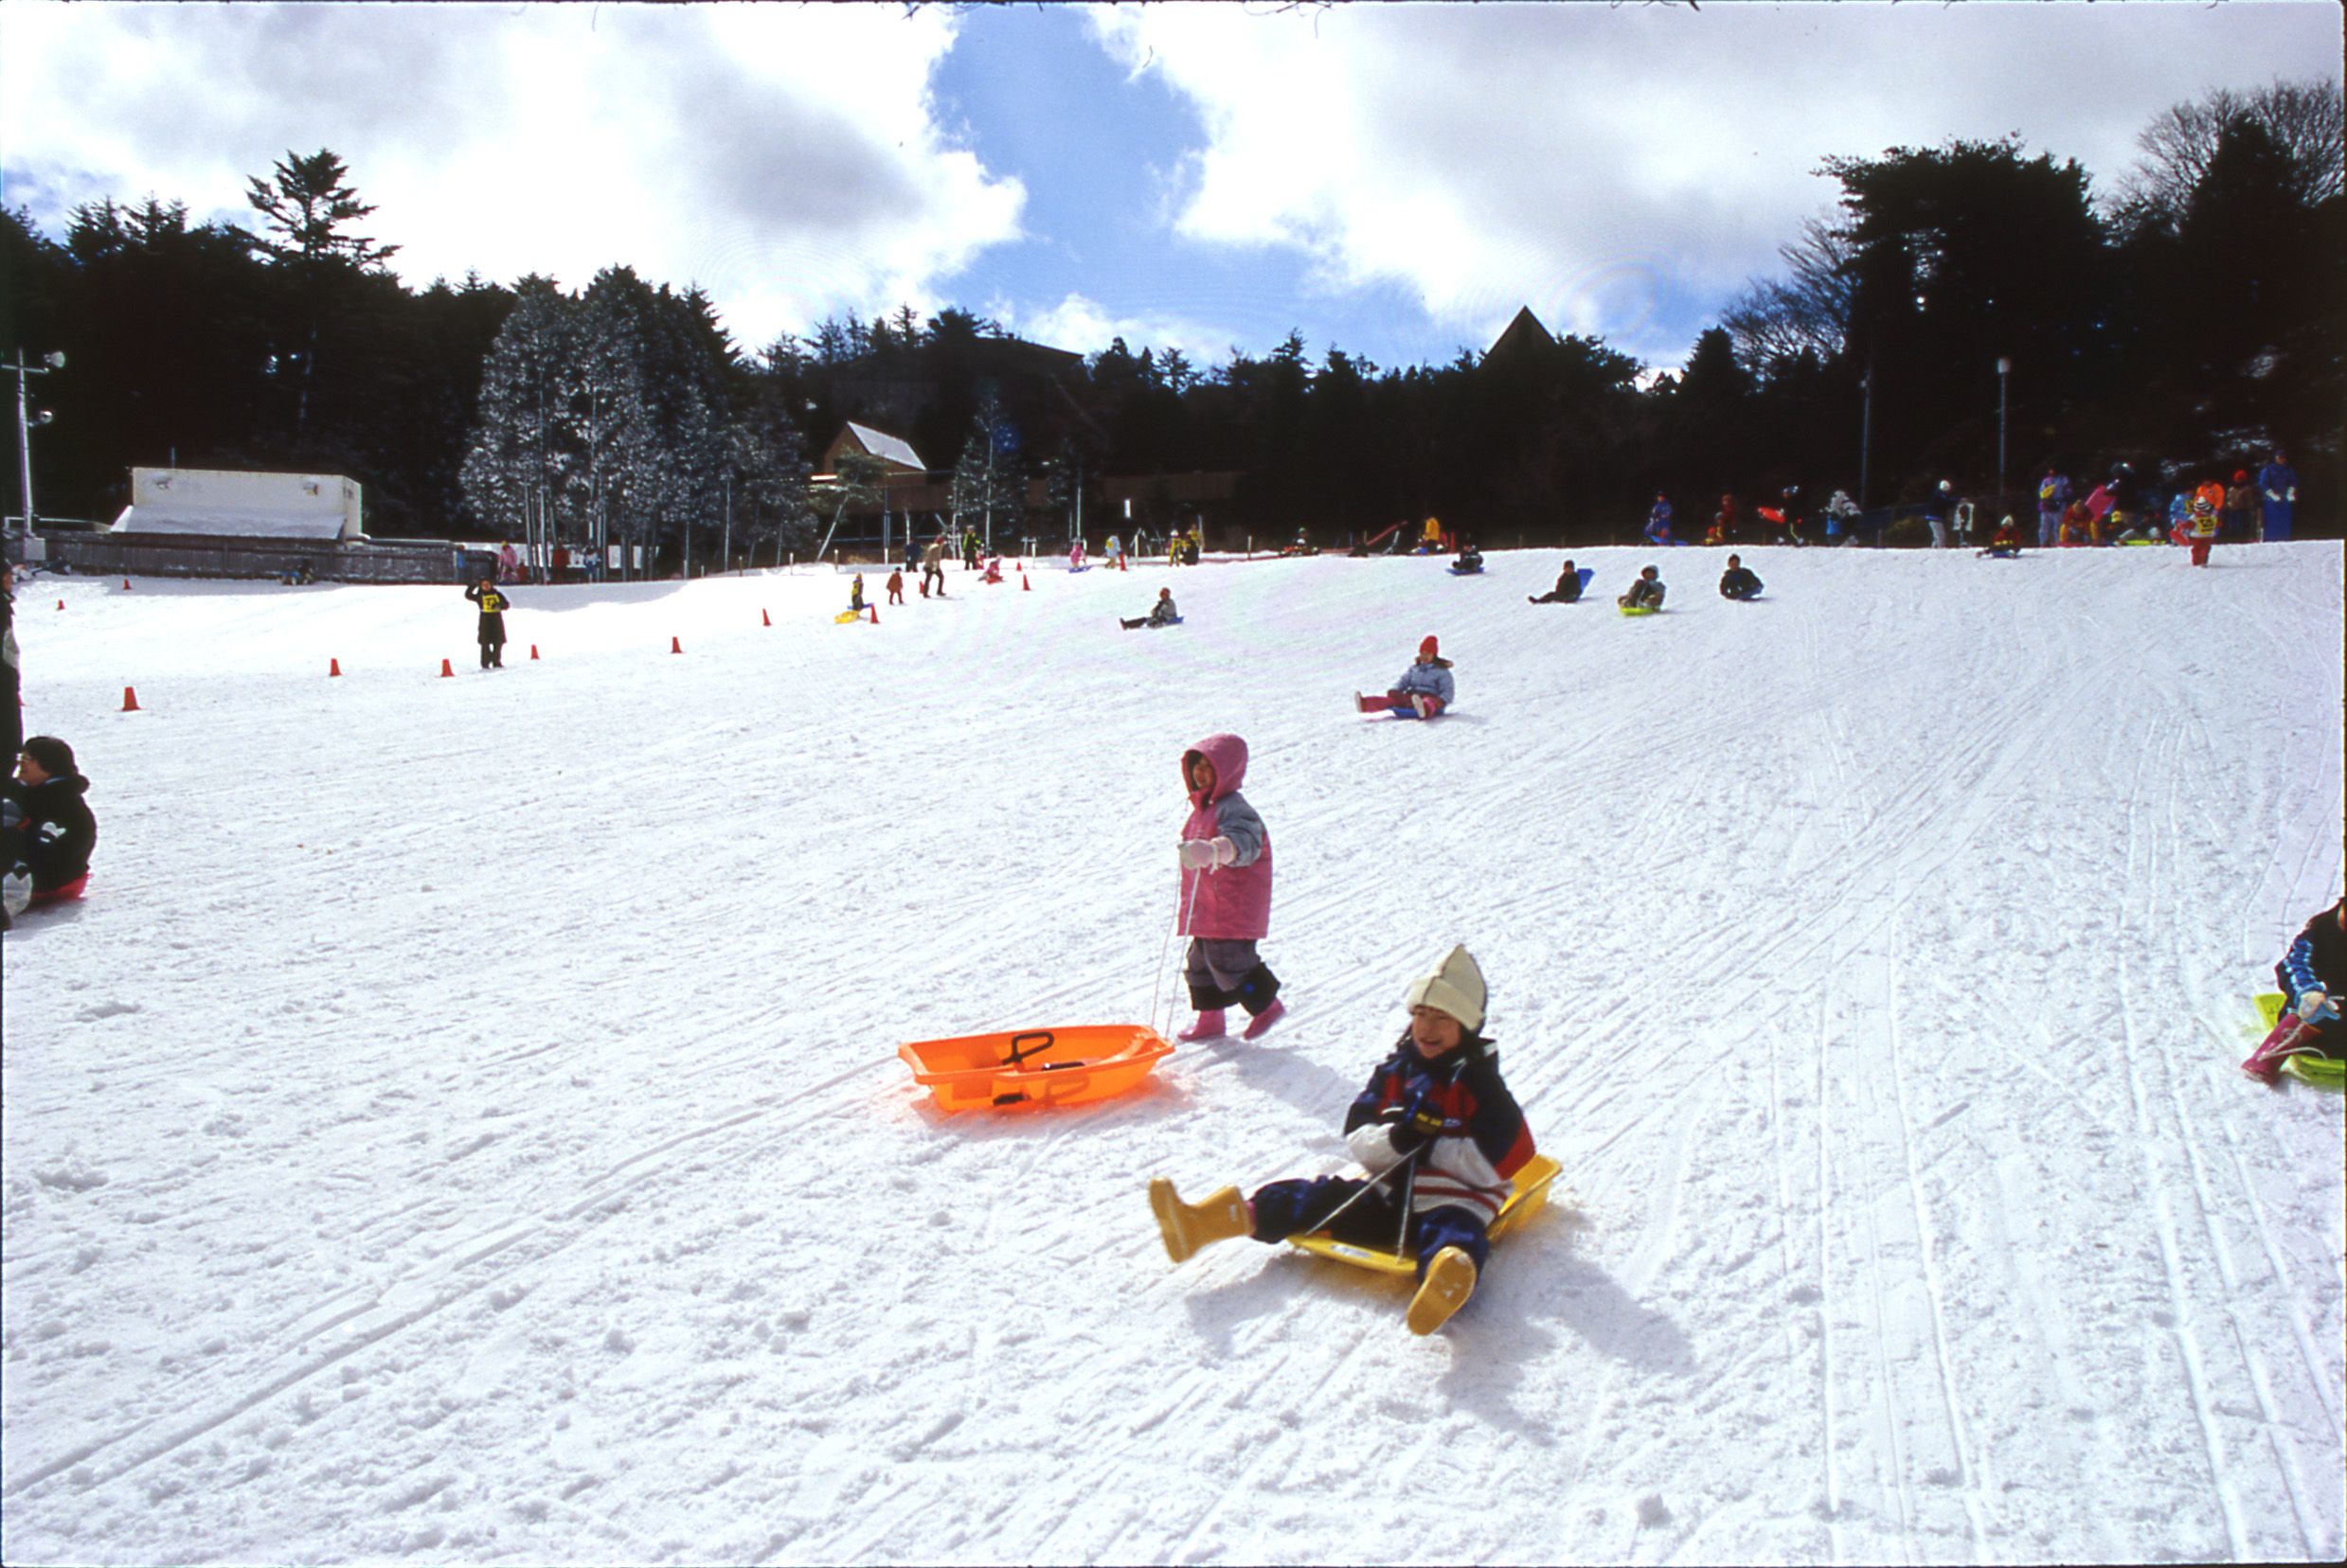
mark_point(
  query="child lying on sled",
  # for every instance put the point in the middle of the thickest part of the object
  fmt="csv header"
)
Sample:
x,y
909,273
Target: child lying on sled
x,y
1438,1133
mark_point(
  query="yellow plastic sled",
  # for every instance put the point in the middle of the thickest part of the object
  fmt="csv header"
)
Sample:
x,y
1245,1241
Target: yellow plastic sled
x,y
1033,1068
1529,1197
2322,1072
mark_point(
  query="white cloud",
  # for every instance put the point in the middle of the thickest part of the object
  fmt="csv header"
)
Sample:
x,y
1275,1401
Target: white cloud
x,y
1598,162
783,157
1085,326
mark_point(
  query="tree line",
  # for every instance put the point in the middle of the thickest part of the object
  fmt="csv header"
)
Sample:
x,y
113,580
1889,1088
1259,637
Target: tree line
x,y
2189,317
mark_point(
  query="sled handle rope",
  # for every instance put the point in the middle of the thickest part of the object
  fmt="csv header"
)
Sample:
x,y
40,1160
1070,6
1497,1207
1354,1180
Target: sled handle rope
x,y
1375,1182
1157,983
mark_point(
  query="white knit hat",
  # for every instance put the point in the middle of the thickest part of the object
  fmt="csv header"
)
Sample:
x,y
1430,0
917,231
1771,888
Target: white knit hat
x,y
1456,987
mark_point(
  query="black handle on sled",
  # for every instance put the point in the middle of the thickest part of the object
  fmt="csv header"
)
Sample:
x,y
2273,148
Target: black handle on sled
x,y
1018,1056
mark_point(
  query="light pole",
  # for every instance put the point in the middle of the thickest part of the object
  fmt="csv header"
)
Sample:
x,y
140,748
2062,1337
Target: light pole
x,y
2004,368
26,419
1865,430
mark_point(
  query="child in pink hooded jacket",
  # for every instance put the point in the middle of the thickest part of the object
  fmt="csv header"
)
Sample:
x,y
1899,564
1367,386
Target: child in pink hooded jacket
x,y
1225,908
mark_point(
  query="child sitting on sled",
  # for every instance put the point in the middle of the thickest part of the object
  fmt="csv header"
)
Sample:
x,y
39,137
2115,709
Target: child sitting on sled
x,y
1437,1132
1160,613
1739,582
2311,973
1646,593
1226,907
1426,687
1568,589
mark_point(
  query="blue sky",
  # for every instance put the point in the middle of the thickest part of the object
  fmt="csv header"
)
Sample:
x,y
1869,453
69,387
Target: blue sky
x,y
1394,179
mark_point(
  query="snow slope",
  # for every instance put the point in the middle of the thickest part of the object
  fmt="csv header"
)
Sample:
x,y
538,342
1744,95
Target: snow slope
x,y
463,1119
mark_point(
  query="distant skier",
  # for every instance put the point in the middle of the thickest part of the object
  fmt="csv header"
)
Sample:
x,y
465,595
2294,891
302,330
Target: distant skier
x,y
2277,493
1568,589
2241,507
1075,555
46,828
2311,973
493,603
1426,688
1225,903
932,567
896,587
1936,510
1646,593
1160,613
1738,581
1440,1137
2201,527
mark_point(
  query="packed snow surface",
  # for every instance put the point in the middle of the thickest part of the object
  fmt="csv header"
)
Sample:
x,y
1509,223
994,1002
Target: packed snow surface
x,y
463,1119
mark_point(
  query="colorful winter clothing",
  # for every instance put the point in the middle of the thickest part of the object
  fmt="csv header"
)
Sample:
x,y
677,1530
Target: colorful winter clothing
x,y
1225,903
490,631
2053,496
2317,960
1429,676
2277,489
1462,1171
1659,522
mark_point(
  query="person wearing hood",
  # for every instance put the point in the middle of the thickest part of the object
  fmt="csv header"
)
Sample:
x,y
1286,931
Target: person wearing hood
x,y
1439,1135
1426,687
46,830
1646,593
1738,581
1659,521
1160,613
1226,902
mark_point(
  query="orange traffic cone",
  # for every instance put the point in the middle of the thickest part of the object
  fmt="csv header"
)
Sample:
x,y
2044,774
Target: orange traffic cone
x,y
875,610
126,585
1025,586
675,646
61,604
446,673
765,620
333,666
534,651
130,701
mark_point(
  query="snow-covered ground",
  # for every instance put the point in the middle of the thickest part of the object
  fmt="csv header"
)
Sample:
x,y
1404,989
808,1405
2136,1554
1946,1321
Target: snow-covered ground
x,y
463,1120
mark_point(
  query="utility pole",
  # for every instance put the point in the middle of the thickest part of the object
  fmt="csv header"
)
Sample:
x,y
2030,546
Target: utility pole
x,y
1865,429
26,418
2004,368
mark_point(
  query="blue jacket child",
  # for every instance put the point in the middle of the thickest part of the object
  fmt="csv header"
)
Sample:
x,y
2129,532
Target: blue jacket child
x,y
1439,1136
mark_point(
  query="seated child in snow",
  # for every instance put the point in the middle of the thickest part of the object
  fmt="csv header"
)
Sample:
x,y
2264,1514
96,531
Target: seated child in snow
x,y
1438,1133
1470,559
1226,907
2311,973
2005,543
1738,581
1645,594
46,832
994,569
1568,589
1160,613
1426,687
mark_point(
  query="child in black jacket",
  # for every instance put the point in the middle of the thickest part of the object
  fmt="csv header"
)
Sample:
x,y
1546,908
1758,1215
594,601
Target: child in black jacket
x,y
46,830
1438,1133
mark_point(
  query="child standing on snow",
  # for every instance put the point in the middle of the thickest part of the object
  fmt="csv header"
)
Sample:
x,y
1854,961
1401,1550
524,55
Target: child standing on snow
x,y
490,631
1426,687
1226,907
1438,1133
2311,973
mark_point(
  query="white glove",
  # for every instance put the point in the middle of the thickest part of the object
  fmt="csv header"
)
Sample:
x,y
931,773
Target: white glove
x,y
1224,852
1197,854
2314,1007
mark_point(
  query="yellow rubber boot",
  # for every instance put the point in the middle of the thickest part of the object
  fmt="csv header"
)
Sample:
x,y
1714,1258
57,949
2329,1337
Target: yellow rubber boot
x,y
1189,1226
1450,1280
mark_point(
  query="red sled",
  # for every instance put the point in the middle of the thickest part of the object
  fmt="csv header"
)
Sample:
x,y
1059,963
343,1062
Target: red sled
x,y
62,893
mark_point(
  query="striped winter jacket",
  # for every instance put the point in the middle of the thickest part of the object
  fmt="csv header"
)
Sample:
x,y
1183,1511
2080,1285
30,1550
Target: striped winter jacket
x,y
2317,960
1474,1170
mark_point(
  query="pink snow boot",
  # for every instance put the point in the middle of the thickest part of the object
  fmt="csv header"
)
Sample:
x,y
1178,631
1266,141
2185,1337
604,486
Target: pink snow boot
x,y
1209,1026
1261,1022
2292,1036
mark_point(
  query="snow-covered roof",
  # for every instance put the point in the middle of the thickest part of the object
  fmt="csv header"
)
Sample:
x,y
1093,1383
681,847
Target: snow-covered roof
x,y
227,504
881,444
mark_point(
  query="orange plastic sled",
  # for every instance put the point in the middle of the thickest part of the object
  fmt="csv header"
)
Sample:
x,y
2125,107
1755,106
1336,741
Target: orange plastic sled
x,y
1032,1068
62,893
